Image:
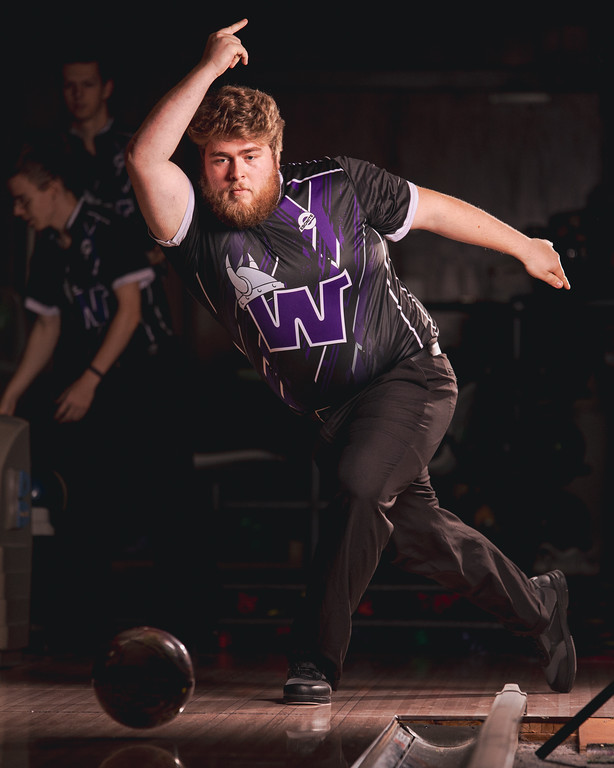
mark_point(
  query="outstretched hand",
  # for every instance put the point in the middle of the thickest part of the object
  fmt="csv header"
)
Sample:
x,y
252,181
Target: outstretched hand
x,y
544,263
224,50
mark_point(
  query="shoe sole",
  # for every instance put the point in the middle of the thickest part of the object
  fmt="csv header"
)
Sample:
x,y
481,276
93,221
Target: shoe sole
x,y
301,694
305,690
559,583
307,700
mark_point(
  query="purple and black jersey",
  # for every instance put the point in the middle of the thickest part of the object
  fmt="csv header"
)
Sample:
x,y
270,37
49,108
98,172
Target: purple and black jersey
x,y
103,176
310,296
78,283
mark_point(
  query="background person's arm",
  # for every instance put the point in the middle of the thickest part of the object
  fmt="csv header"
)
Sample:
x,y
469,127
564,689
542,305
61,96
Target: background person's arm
x,y
39,348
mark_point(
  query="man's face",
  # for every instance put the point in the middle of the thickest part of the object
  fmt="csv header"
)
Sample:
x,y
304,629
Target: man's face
x,y
240,181
35,206
85,93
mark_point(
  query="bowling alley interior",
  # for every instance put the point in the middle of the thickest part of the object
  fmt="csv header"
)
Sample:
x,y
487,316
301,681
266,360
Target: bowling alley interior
x,y
156,636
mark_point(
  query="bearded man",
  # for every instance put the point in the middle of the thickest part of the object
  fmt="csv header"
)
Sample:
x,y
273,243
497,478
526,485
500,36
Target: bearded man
x,y
293,260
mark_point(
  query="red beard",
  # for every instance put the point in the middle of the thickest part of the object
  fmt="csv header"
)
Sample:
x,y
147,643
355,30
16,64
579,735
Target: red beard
x,y
237,213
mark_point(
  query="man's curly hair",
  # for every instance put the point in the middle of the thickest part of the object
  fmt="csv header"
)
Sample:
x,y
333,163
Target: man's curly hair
x,y
238,112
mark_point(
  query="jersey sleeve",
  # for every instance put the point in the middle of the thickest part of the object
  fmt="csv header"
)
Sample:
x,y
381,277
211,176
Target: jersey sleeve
x,y
183,250
123,259
389,201
43,294
183,227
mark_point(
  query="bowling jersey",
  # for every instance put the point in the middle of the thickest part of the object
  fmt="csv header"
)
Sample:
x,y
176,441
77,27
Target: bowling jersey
x,y
310,295
78,283
103,175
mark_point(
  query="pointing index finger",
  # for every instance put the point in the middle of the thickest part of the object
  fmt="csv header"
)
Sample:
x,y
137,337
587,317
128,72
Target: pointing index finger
x,y
235,27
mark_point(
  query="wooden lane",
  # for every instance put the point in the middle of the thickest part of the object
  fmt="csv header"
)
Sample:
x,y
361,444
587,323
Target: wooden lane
x,y
49,715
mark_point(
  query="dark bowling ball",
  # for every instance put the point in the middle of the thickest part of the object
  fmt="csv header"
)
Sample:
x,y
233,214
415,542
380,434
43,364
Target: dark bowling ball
x,y
143,678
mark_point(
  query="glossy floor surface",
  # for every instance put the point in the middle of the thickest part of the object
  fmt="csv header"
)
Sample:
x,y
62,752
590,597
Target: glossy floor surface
x,y
49,714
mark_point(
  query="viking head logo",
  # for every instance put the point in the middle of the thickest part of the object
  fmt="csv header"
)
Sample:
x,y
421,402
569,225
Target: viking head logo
x,y
249,282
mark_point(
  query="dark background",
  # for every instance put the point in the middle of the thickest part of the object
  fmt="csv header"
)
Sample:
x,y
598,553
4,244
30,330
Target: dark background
x,y
510,111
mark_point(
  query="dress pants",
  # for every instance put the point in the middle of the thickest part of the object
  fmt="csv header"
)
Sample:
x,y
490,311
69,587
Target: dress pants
x,y
380,444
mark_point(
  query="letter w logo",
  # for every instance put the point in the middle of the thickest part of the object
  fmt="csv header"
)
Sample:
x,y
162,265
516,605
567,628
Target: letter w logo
x,y
295,309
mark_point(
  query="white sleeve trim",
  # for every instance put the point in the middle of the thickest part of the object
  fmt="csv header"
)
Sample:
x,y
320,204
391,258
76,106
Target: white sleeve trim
x,y
409,219
183,227
143,277
40,309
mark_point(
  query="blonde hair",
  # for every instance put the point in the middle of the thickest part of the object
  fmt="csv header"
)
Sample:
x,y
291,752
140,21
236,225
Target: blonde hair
x,y
238,112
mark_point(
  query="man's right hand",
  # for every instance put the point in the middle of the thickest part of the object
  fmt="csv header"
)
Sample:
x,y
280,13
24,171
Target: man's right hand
x,y
161,186
224,50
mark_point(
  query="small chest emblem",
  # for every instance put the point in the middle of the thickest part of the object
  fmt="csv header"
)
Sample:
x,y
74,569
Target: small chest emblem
x,y
306,220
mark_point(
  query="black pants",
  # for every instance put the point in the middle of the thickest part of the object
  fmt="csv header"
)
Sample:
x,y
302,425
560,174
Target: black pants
x,y
382,442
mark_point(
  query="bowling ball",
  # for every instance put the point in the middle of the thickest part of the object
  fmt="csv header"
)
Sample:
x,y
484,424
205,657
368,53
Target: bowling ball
x,y
143,678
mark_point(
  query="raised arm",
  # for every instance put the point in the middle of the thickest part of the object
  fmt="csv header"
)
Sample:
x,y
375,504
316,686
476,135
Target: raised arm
x,y
457,220
161,187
